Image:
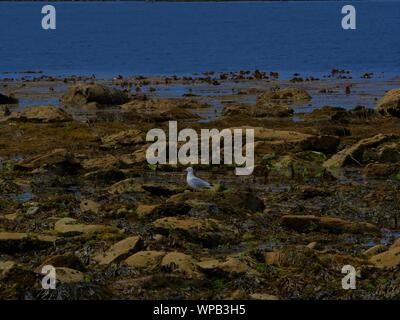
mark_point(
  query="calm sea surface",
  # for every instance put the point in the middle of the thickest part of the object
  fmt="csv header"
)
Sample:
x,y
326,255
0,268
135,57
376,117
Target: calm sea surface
x,y
131,38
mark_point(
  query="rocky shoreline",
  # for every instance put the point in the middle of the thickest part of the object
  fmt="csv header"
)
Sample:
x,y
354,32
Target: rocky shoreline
x,y
77,193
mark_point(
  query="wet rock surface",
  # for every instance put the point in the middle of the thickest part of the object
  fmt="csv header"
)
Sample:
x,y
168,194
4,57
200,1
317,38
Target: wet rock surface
x,y
77,193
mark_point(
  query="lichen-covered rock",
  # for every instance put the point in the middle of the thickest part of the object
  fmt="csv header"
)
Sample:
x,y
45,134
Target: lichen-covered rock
x,y
82,94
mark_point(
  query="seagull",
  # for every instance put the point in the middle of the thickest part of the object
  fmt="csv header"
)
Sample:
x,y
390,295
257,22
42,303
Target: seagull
x,y
194,182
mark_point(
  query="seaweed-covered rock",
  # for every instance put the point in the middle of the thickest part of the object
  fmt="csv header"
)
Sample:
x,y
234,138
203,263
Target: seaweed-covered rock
x,y
286,95
354,153
20,241
40,114
208,232
82,94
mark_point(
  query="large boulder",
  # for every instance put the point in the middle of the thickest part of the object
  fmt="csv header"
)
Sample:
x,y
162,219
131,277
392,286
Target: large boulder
x,y
389,104
83,94
40,114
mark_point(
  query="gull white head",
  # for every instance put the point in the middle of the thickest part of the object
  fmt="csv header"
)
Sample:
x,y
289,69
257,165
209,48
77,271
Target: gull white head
x,y
189,169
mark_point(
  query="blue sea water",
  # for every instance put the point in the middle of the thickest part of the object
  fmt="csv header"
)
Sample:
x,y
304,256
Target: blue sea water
x,y
148,38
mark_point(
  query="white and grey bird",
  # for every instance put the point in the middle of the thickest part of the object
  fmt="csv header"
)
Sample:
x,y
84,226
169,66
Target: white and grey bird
x,y
194,182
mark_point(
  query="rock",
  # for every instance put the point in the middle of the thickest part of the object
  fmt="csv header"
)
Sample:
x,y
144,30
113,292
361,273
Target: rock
x,y
82,94
257,111
68,227
68,260
334,131
145,259
263,296
300,223
354,153
104,163
67,275
6,267
312,245
337,225
59,158
7,99
161,210
390,103
119,250
230,267
87,205
209,232
389,153
374,250
286,95
395,244
146,210
40,114
133,185
180,263
270,140
17,241
303,165
32,211
274,258
384,170
387,259
160,110
308,223
225,201
121,139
